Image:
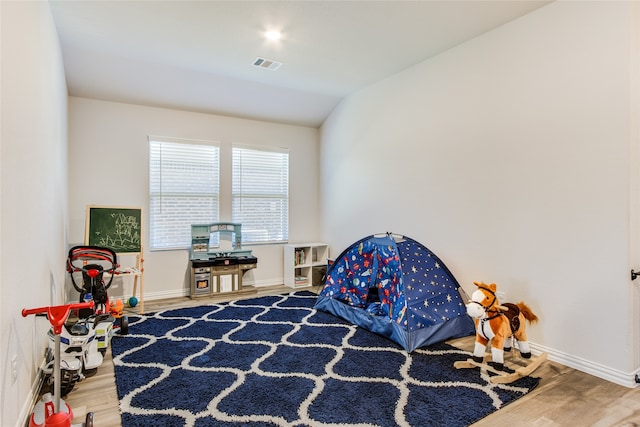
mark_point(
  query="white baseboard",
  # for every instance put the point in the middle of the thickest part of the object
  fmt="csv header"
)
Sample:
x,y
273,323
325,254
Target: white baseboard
x,y
174,293
626,379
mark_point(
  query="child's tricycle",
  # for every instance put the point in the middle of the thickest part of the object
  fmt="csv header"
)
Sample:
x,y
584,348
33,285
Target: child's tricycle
x,y
93,262
57,412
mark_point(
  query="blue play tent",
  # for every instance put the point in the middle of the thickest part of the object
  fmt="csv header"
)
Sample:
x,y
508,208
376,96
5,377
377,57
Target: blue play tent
x,y
397,288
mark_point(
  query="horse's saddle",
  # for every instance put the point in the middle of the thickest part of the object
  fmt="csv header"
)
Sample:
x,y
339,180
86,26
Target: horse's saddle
x,y
513,315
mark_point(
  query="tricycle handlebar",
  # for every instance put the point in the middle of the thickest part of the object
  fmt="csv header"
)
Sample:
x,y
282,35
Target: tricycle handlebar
x,y
78,305
57,314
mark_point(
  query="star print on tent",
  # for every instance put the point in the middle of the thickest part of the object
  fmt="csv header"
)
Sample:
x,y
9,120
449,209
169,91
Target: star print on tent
x,y
396,287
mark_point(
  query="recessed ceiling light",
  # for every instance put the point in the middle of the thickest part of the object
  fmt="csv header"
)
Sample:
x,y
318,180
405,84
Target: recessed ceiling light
x,y
273,35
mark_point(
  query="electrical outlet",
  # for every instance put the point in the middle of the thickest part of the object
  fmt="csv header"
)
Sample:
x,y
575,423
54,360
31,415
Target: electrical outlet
x,y
14,368
501,295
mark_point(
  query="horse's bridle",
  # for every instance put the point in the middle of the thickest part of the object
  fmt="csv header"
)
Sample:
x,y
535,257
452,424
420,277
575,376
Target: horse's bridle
x,y
487,308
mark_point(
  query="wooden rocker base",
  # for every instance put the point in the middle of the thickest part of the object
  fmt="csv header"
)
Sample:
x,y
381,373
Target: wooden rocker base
x,y
503,377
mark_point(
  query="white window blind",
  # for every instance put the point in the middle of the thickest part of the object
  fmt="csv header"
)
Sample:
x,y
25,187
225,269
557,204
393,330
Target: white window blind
x,y
260,194
184,189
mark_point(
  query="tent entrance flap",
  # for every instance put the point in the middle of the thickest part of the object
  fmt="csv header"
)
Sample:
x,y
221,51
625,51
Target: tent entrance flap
x,y
396,287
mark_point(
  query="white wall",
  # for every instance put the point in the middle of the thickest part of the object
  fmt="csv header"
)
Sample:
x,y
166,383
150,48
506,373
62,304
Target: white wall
x,y
33,194
108,165
508,157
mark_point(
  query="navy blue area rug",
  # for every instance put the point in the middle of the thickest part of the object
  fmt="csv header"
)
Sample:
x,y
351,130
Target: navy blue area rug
x,y
276,361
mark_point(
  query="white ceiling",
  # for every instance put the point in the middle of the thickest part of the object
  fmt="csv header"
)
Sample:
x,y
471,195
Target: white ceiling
x,y
198,55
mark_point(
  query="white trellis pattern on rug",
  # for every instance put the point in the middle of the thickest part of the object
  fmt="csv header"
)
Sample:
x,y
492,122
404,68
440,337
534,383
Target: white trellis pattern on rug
x,y
276,361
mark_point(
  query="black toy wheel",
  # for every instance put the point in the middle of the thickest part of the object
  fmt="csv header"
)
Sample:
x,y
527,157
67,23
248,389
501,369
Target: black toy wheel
x,y
68,380
89,372
88,422
124,325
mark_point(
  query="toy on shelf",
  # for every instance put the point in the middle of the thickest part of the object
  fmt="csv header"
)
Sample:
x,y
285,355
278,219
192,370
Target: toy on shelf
x,y
48,411
503,325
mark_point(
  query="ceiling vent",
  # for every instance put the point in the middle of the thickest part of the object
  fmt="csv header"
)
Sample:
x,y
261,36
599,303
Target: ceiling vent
x,y
269,64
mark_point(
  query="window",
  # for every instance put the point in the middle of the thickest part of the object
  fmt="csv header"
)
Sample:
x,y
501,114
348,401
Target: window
x,y
184,189
260,194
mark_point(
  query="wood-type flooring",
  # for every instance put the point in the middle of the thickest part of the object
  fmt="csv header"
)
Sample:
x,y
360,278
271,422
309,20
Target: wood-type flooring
x,y
564,397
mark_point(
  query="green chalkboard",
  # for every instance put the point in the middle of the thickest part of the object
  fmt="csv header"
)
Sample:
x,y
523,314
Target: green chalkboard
x,y
118,228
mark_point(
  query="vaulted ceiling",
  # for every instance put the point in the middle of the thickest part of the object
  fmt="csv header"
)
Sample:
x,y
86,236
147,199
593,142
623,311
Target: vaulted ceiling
x,y
200,55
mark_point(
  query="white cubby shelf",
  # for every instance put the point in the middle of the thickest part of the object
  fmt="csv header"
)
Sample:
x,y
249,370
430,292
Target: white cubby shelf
x,y
300,260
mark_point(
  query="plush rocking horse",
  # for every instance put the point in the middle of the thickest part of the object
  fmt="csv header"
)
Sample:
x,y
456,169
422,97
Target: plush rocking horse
x,y
500,324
